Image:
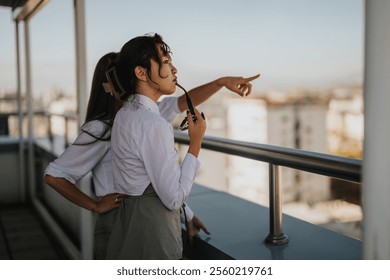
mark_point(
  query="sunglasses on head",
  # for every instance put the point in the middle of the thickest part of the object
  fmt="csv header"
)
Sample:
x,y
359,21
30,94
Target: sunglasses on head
x,y
184,123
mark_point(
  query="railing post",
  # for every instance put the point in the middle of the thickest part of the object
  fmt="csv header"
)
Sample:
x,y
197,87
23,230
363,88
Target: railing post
x,y
4,127
66,132
87,222
50,132
276,235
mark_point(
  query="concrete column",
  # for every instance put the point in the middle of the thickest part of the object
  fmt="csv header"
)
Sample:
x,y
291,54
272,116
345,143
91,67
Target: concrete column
x,y
86,220
29,95
22,180
376,155
81,59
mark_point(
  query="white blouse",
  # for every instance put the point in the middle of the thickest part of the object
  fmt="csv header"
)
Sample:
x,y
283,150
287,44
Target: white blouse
x,y
143,152
77,160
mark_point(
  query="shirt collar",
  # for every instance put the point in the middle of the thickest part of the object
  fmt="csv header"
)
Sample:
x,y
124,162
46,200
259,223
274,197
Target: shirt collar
x,y
148,103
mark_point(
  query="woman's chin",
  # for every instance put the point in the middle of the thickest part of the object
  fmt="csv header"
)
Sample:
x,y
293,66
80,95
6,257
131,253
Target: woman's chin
x,y
170,91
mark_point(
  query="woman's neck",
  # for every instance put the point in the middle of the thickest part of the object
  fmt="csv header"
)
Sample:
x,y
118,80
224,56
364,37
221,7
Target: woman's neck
x,y
149,92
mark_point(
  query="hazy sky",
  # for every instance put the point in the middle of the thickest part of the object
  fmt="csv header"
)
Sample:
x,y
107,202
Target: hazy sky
x,y
292,43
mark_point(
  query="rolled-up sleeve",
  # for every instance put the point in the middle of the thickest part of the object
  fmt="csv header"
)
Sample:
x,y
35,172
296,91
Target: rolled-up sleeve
x,y
77,160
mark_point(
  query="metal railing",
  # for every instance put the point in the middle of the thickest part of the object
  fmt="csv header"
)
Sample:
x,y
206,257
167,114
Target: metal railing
x,y
66,116
323,164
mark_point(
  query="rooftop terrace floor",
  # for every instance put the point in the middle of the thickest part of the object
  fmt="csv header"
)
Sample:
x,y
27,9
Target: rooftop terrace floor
x,y
24,237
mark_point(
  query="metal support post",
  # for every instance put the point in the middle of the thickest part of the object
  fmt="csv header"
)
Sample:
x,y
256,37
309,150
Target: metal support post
x,y
276,235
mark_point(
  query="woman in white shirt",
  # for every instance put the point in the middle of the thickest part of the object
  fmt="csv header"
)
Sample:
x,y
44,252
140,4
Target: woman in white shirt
x,y
145,165
91,151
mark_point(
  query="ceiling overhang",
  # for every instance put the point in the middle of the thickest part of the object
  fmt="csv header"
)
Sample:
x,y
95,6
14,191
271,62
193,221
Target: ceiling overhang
x,y
23,9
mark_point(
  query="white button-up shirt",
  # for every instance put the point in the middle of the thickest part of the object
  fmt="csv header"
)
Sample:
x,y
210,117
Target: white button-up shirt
x,y
77,160
143,153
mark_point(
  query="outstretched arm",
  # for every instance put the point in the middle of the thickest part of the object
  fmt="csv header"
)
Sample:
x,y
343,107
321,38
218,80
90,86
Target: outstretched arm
x,y
240,85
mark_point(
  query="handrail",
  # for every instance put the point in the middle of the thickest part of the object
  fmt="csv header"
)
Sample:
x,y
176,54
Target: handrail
x,y
66,116
323,164
71,116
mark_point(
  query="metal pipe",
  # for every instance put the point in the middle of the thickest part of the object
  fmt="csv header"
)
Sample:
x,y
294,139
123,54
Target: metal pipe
x,y
323,164
50,132
276,235
66,132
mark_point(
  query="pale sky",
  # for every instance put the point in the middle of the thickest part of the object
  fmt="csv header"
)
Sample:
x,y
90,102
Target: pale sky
x,y
292,43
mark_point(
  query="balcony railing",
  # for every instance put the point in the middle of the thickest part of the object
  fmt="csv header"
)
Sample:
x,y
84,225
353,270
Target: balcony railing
x,y
5,128
323,164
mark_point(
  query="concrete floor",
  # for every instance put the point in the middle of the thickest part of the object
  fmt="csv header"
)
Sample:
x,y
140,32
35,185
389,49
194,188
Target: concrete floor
x,y
23,236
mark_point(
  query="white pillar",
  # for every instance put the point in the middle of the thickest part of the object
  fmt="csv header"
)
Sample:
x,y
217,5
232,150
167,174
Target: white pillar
x,y
81,59
376,155
86,218
29,95
21,116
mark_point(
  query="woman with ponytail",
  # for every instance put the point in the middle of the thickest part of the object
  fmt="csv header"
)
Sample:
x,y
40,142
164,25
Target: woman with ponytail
x,y
145,164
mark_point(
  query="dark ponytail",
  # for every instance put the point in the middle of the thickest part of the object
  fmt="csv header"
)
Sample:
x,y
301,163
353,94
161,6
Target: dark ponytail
x,y
101,105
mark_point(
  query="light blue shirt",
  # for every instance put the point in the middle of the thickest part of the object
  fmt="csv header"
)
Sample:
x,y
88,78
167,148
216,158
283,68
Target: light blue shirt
x,y
143,152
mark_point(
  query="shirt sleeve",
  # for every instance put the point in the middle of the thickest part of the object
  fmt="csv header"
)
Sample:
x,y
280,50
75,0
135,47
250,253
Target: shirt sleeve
x,y
171,181
169,108
78,159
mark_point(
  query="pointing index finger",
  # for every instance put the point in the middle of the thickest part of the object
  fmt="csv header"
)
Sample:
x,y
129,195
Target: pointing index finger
x,y
252,78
